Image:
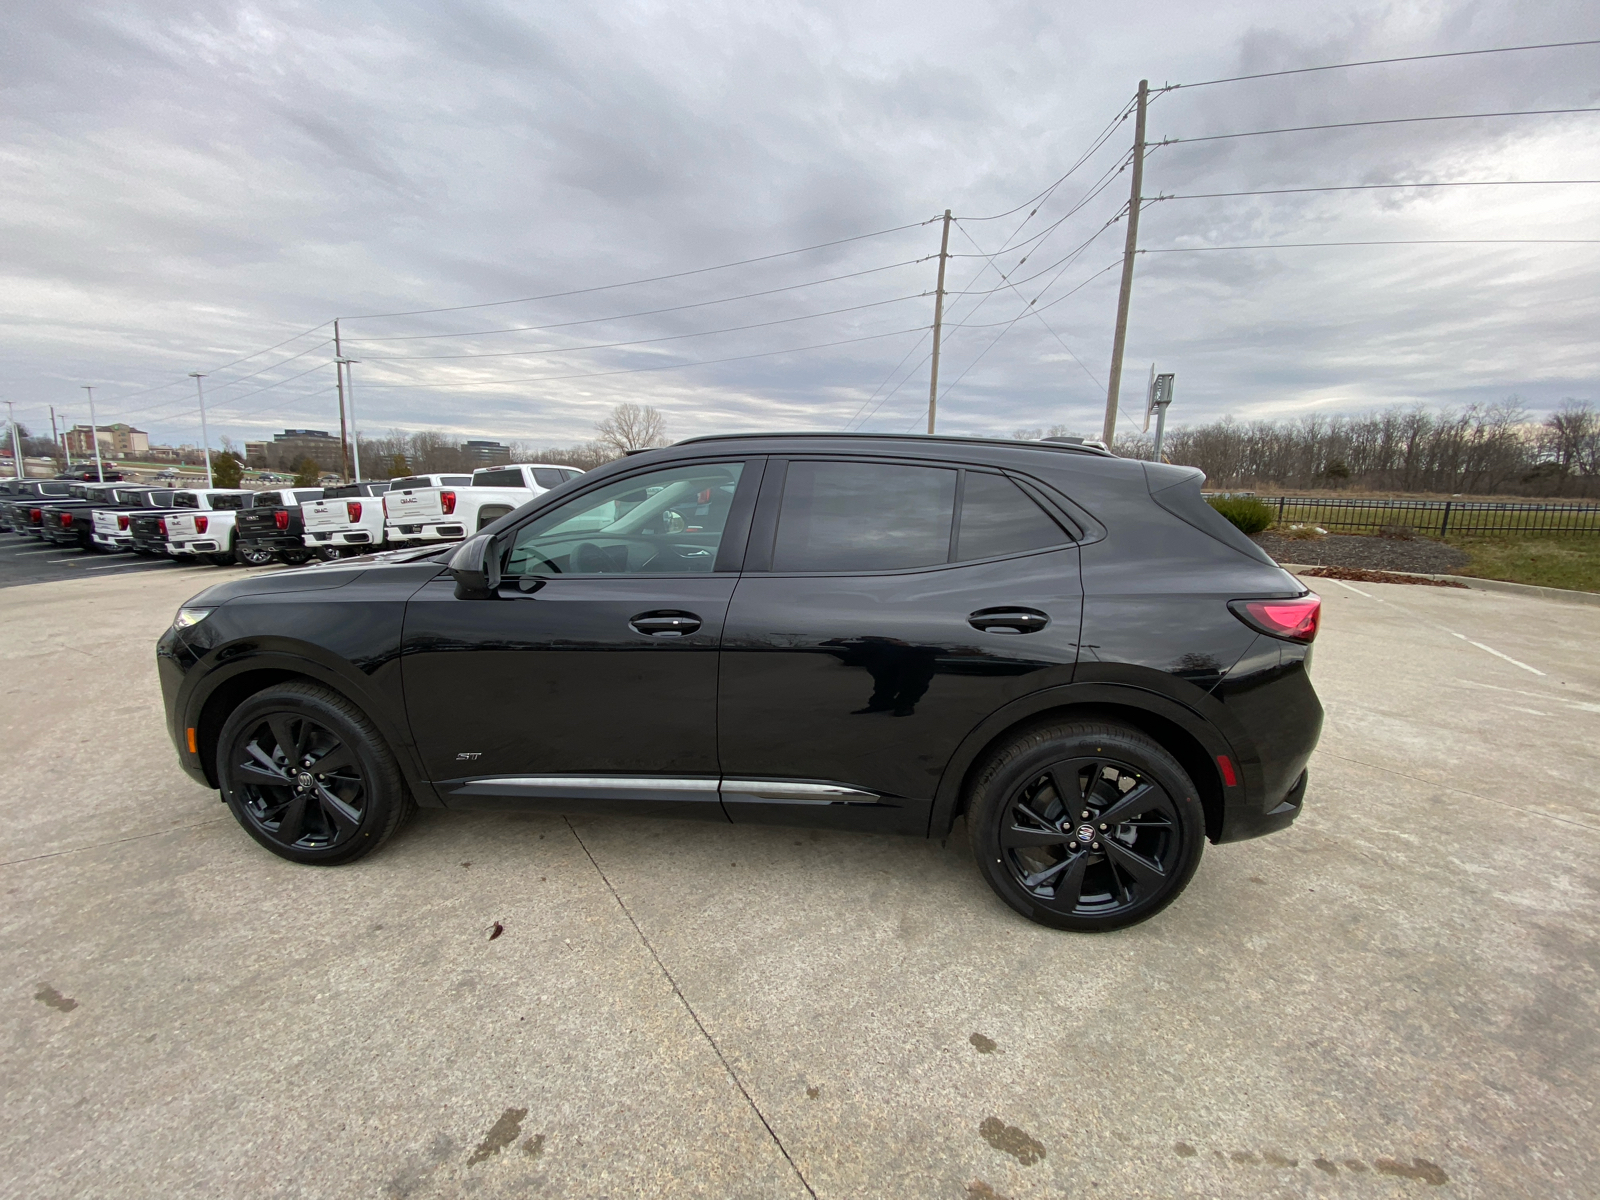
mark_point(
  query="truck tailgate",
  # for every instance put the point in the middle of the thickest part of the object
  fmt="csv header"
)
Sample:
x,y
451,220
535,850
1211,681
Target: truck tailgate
x,y
322,516
421,504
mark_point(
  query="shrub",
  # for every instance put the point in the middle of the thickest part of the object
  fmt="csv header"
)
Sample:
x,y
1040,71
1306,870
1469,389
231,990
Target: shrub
x,y
1249,514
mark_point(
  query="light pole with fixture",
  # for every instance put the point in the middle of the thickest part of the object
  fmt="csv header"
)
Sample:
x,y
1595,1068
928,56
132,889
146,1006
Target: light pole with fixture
x,y
94,434
205,438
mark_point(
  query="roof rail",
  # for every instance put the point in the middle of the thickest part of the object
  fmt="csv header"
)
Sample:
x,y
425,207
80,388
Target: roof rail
x,y
1079,447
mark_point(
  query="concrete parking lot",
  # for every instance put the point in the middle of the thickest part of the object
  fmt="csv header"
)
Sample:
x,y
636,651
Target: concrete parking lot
x,y
1396,997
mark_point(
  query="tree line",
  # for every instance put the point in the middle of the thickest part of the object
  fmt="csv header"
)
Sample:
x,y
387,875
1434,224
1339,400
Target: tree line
x,y
1484,450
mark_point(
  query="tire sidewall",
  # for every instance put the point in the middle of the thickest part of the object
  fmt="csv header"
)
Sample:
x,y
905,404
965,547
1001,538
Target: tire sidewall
x,y
1069,741
381,797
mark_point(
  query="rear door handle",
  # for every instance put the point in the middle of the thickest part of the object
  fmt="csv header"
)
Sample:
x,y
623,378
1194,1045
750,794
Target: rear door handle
x,y
665,624
1009,620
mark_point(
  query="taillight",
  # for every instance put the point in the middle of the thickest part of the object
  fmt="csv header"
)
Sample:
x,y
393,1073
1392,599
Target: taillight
x,y
122,523
36,514
200,524
447,502
66,520
161,524
281,518
353,507
386,506
1295,619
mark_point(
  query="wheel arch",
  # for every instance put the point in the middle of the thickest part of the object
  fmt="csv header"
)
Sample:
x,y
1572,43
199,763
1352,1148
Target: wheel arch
x,y
223,696
1178,730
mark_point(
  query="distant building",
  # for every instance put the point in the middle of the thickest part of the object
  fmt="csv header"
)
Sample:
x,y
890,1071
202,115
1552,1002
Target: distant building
x,y
287,448
116,441
484,454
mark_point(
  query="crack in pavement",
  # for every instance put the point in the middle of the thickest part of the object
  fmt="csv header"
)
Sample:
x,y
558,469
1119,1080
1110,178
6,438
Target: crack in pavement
x,y
694,1016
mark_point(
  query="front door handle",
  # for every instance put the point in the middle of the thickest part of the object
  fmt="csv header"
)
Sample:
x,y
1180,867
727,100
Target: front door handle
x,y
665,624
1009,620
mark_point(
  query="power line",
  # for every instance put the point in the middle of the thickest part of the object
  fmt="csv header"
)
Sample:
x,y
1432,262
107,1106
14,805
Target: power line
x,y
674,337
1532,112
1099,141
1394,242
1373,62
743,262
1365,187
664,367
652,312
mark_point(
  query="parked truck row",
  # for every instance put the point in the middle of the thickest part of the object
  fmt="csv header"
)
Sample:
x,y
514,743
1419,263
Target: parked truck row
x,y
254,528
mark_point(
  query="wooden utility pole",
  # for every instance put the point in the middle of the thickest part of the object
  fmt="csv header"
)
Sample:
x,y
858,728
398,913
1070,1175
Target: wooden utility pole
x,y
338,366
938,323
1109,430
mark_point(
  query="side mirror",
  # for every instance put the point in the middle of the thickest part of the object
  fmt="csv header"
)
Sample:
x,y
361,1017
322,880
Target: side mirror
x,y
476,566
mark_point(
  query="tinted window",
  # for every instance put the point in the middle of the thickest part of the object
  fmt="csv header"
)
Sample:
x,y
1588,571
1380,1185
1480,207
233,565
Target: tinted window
x,y
860,516
159,499
458,480
998,517
666,522
306,497
548,477
228,502
410,481
511,478
185,500
571,474
54,489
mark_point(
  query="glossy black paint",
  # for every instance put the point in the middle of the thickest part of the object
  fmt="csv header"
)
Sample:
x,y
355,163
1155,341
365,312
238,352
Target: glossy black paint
x,y
857,701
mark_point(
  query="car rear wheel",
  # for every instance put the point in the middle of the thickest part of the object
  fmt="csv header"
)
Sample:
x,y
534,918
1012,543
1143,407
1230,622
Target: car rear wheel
x,y
251,556
329,553
1087,826
309,776
295,557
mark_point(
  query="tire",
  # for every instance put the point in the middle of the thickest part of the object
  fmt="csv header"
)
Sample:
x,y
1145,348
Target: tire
x,y
222,559
340,814
330,553
295,557
1031,840
251,556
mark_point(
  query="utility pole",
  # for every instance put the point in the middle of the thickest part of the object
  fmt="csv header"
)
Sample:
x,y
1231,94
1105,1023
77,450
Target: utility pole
x,y
55,437
344,445
938,323
355,433
1109,430
16,442
205,438
94,434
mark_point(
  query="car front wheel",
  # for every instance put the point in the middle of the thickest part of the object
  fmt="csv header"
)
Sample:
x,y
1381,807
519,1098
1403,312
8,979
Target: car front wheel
x,y
1086,826
309,776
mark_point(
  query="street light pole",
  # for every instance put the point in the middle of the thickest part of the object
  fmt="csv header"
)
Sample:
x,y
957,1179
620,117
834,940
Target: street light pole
x,y
94,434
205,438
16,442
349,392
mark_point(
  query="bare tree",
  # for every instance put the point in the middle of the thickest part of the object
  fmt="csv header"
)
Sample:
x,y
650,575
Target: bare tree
x,y
632,427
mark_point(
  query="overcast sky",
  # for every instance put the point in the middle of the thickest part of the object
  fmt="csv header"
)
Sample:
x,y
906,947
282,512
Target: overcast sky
x,y
187,185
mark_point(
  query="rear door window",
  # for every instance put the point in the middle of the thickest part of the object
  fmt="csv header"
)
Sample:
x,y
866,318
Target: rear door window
x,y
548,477
864,516
512,478
998,517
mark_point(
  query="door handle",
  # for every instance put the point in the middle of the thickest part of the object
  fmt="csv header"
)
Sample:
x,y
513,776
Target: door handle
x,y
665,624
1008,620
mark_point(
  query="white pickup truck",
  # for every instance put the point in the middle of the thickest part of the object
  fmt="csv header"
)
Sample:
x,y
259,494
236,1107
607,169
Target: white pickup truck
x,y
211,534
348,518
449,512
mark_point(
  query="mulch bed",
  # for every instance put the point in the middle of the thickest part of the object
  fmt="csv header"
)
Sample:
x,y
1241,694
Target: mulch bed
x,y
1366,553
1357,575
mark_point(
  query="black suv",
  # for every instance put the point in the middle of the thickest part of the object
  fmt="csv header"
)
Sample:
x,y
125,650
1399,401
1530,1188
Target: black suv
x,y
1072,650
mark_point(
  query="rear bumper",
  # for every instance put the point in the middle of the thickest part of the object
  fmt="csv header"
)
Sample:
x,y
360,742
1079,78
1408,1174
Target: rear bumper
x,y
277,541
1280,717
112,541
341,537
441,531
197,546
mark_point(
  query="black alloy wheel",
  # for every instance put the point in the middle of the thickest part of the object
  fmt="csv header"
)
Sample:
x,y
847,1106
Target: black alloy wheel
x,y
308,776
1088,827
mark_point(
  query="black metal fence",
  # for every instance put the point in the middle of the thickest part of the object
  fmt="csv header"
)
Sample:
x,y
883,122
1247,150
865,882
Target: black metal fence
x,y
1435,518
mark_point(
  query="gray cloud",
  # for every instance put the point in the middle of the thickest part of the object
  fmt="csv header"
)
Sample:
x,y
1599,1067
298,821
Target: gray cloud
x,y
186,186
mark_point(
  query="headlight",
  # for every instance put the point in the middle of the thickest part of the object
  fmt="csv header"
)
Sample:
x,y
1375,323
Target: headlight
x,y
190,616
